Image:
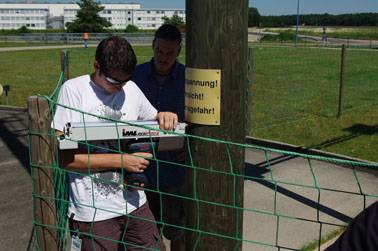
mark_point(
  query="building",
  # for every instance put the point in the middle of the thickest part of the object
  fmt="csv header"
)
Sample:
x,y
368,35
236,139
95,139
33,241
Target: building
x,y
55,16
152,18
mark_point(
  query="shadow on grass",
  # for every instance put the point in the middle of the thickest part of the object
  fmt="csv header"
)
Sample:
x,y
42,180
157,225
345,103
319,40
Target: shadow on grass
x,y
354,132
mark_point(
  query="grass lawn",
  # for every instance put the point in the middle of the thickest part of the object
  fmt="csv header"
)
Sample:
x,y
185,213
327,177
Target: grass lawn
x,y
37,72
293,95
294,99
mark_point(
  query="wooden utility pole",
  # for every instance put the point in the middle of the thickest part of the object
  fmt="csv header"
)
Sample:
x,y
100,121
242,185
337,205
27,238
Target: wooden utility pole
x,y
216,38
42,155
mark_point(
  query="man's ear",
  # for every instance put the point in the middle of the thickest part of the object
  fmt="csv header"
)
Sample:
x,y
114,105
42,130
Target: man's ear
x,y
153,43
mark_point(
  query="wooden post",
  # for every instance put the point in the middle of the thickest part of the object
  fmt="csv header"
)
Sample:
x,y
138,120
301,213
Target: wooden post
x,y
341,85
42,155
64,64
217,39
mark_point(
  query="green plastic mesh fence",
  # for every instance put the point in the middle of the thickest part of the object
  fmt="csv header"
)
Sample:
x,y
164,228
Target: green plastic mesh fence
x,y
291,201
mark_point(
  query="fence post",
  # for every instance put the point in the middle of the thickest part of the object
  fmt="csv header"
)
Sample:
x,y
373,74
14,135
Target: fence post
x,y
341,85
42,156
248,100
64,64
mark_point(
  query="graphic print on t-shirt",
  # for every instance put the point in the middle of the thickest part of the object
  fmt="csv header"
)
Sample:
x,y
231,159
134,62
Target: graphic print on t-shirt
x,y
109,112
108,183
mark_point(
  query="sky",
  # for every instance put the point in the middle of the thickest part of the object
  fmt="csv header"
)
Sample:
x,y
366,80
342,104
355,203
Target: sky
x,y
267,7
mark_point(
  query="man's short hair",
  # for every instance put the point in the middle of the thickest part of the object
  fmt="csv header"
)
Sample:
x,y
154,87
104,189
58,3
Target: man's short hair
x,y
168,32
115,54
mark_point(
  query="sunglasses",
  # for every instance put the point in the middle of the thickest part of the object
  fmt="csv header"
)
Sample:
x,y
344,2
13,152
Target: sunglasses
x,y
115,81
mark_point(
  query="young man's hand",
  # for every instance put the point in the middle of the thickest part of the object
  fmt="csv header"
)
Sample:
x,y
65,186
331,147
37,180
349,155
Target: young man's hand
x,y
135,163
167,120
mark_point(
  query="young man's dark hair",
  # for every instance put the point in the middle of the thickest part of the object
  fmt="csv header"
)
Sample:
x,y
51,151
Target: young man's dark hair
x,y
115,54
168,32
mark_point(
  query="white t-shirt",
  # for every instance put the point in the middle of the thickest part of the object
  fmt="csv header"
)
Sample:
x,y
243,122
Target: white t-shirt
x,y
100,196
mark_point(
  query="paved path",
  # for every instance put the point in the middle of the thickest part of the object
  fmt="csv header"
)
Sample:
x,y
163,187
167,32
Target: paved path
x,y
258,226
339,201
50,47
15,182
42,47
255,36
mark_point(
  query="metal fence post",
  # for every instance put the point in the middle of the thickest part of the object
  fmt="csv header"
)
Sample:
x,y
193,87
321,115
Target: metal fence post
x,y
341,86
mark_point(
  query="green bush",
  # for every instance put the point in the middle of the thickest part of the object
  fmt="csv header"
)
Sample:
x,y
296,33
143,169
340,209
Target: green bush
x,y
23,29
131,28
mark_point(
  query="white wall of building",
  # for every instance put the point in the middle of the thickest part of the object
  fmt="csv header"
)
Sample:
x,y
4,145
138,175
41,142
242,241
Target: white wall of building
x,y
152,18
37,16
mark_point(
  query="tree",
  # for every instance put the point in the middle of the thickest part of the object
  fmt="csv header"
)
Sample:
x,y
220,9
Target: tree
x,y
88,19
175,20
253,17
23,29
131,28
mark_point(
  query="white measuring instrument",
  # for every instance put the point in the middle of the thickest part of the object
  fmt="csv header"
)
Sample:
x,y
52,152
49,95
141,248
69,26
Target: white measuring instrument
x,y
82,132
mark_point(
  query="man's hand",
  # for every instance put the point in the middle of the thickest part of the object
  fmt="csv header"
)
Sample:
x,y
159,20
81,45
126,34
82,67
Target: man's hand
x,y
135,163
167,120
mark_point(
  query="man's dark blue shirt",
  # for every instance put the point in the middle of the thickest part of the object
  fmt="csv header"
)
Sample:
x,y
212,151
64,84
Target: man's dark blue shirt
x,y
167,95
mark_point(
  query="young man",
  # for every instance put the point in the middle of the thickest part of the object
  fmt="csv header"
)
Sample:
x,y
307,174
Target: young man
x,y
101,208
162,80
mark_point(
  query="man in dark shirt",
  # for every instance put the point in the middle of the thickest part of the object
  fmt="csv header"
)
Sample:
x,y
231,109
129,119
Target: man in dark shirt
x,y
361,234
162,81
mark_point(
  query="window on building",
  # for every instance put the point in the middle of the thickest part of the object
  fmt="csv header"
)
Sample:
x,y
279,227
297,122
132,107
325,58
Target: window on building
x,y
129,12
148,12
109,12
129,19
139,18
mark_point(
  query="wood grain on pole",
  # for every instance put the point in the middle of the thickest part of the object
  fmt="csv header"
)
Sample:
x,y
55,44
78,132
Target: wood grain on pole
x,y
217,39
42,155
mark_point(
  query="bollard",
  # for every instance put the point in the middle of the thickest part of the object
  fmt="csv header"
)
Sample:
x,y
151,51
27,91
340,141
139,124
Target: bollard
x,y
6,89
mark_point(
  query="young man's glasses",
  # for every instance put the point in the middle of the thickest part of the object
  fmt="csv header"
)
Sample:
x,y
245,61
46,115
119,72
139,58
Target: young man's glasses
x,y
115,81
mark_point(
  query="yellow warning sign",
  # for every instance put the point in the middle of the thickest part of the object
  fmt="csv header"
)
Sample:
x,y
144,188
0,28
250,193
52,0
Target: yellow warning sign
x,y
202,96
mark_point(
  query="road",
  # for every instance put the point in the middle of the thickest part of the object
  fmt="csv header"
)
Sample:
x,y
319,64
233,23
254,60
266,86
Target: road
x,y
296,199
15,182
341,41
254,36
